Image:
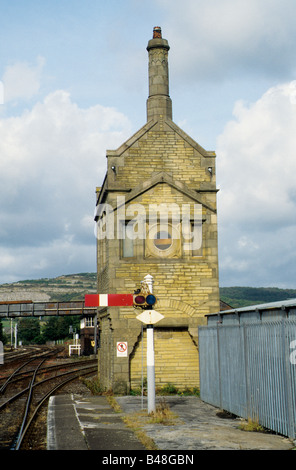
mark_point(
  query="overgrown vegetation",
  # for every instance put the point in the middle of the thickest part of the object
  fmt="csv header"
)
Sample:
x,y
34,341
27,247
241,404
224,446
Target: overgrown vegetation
x,y
135,422
251,426
112,402
93,385
238,297
163,414
167,389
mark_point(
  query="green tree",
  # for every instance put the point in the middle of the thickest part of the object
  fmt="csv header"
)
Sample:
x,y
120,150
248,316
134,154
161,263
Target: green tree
x,y
28,330
3,337
57,328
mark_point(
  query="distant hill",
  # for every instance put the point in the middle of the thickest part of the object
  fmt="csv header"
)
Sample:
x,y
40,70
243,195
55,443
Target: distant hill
x,y
75,286
243,296
62,288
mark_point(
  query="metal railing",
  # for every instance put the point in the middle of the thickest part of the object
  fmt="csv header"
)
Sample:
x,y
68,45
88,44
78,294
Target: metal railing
x,y
250,371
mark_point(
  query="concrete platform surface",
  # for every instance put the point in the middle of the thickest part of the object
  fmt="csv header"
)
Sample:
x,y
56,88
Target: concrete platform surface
x,y
87,424
90,423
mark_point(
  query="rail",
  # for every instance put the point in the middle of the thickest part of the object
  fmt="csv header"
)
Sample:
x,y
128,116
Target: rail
x,y
26,426
15,439
27,408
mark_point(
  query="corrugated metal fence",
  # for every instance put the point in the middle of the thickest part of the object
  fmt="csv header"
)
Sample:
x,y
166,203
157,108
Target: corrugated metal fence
x,y
250,370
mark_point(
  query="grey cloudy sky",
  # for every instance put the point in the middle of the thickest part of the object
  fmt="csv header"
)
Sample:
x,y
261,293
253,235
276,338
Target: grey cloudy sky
x,y
75,80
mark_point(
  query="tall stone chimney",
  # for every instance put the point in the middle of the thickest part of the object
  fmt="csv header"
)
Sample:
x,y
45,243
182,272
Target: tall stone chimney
x,y
159,102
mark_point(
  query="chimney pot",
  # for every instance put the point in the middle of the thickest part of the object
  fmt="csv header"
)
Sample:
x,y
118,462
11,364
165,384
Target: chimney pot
x,y
157,32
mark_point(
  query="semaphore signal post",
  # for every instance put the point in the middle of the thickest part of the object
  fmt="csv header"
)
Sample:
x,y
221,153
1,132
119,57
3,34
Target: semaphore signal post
x,y
143,298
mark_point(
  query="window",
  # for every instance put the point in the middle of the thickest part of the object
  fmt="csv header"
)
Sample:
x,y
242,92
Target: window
x,y
163,240
196,242
89,322
127,240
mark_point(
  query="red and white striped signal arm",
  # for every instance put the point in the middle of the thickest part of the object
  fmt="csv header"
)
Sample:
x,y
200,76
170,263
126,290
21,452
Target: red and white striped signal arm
x,y
108,300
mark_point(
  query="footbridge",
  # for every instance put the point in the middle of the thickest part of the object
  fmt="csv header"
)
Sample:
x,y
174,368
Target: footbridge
x,y
29,308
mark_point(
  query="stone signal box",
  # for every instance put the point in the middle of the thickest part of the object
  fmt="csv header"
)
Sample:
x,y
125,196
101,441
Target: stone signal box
x,y
156,214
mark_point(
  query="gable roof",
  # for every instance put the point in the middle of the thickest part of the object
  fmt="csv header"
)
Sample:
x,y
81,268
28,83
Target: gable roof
x,y
160,178
147,127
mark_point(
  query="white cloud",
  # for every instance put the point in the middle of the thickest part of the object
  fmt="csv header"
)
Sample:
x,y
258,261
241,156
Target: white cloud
x,y
52,159
219,38
257,203
57,258
21,80
257,158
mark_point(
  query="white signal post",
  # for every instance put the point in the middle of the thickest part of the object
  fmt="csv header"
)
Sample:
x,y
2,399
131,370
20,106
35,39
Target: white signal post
x,y
150,317
150,369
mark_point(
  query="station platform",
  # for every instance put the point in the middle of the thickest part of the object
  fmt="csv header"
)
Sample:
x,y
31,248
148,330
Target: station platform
x,y
87,424
78,422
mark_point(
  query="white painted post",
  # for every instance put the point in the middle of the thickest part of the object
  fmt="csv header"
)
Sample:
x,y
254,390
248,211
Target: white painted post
x,y
15,336
11,333
150,370
1,353
150,357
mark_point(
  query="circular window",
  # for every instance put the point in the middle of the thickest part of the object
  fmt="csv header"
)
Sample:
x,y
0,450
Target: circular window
x,y
162,240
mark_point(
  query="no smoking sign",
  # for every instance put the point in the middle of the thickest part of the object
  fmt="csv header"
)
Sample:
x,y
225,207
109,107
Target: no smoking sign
x,y
121,349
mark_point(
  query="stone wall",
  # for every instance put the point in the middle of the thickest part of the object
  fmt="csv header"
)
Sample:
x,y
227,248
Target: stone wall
x,y
174,348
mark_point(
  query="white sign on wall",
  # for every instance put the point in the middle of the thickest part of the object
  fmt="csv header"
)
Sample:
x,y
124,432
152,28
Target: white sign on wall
x,y
121,349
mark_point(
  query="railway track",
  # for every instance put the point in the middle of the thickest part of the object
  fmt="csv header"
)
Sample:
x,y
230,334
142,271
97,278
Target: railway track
x,y
25,391
28,351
